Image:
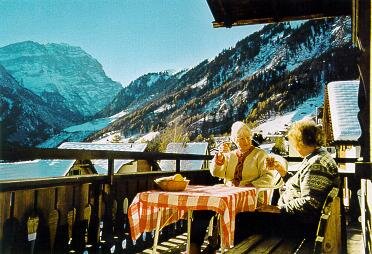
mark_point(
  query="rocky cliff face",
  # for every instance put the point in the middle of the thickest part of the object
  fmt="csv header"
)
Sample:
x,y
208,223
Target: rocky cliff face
x,y
62,75
45,88
25,119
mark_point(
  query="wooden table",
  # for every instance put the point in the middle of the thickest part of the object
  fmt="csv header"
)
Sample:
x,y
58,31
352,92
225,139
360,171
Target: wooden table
x,y
156,209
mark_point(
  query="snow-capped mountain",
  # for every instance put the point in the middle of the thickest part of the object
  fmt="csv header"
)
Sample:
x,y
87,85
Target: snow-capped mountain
x,y
140,91
277,72
25,119
271,72
62,75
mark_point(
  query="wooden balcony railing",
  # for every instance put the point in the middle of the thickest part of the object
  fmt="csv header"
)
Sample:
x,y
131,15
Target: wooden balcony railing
x,y
85,213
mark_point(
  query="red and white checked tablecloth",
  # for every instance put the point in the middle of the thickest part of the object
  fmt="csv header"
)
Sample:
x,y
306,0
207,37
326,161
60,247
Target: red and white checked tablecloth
x,y
225,200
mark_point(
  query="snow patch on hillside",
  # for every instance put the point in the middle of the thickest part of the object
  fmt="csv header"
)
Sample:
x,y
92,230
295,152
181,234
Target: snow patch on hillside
x,y
281,123
81,131
200,84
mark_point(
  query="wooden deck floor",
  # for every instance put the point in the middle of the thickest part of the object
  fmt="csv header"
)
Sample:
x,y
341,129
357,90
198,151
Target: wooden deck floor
x,y
354,240
177,245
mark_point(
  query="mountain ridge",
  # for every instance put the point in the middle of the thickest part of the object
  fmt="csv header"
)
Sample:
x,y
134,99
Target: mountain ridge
x,y
65,84
271,70
60,72
268,73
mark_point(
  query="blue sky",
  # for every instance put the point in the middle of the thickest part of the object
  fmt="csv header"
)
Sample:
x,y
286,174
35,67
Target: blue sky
x,y
128,37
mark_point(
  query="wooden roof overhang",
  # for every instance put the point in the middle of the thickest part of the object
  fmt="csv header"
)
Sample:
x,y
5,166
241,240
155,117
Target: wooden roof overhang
x,y
228,13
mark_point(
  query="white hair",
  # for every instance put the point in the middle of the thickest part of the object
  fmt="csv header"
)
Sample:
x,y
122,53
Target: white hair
x,y
240,129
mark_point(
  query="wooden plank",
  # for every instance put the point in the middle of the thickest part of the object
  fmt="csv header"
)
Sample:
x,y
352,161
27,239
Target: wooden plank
x,y
28,184
53,225
132,190
332,237
78,226
46,201
38,183
368,214
87,213
328,238
64,202
23,203
4,210
229,13
45,204
290,246
14,154
246,245
369,199
71,217
82,199
121,189
267,245
9,225
95,201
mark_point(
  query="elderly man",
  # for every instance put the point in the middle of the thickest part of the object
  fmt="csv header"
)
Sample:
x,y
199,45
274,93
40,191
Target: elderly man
x,y
245,166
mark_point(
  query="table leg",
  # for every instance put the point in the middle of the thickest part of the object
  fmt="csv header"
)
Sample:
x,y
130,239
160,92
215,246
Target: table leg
x,y
189,217
157,229
222,248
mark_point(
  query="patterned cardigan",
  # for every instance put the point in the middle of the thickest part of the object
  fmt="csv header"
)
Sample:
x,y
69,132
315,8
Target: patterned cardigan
x,y
304,192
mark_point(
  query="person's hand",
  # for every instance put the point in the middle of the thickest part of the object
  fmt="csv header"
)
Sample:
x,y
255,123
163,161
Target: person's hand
x,y
223,148
268,209
272,164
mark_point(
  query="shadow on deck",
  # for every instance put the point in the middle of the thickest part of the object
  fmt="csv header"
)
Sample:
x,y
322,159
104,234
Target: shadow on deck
x,y
177,245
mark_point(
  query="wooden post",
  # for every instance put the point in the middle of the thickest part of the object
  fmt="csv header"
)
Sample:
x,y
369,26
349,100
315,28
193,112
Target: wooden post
x,y
110,171
108,218
178,165
96,214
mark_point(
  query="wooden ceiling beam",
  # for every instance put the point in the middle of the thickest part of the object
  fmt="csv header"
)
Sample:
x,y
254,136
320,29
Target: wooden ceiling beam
x,y
228,13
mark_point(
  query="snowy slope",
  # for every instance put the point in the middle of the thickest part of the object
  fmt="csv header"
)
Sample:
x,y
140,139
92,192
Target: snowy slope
x,y
60,73
80,132
281,122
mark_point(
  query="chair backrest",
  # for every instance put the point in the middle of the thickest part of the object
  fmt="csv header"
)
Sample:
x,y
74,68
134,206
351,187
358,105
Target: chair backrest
x,y
328,236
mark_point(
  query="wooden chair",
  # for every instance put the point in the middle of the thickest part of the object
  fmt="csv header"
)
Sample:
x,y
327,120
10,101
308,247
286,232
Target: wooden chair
x,y
264,194
328,236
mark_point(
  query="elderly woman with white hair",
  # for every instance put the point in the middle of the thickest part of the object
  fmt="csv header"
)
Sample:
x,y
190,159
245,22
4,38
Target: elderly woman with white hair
x,y
247,166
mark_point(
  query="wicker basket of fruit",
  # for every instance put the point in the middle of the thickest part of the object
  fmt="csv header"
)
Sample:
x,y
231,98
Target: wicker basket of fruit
x,y
172,183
